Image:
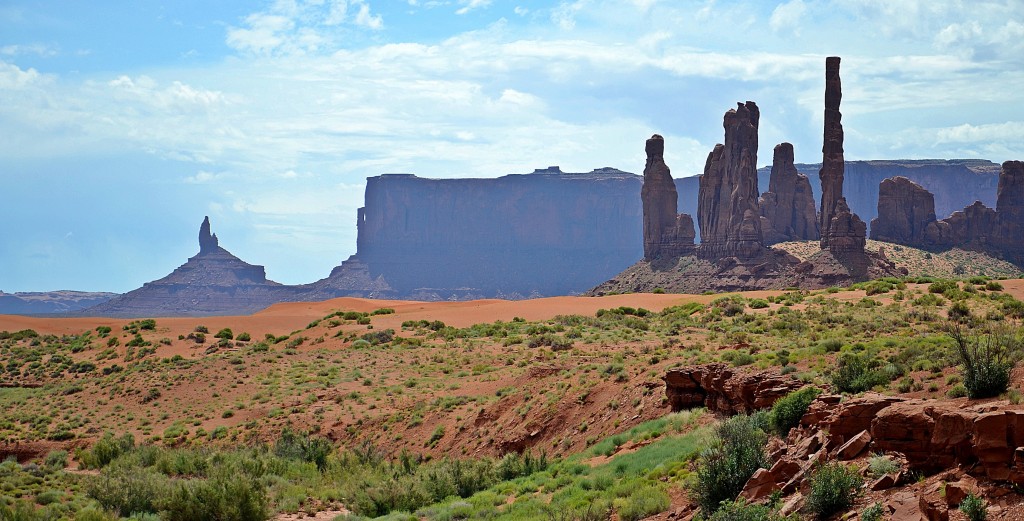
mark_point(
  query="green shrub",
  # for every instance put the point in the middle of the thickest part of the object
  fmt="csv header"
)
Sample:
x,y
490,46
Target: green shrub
x,y
854,374
880,465
644,501
243,337
233,496
128,490
975,508
872,513
303,447
105,450
225,333
740,510
834,486
984,360
724,467
788,410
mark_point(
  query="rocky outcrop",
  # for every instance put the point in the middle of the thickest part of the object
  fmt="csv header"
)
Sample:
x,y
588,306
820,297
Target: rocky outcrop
x,y
905,209
666,233
905,217
723,389
832,162
727,209
213,282
787,208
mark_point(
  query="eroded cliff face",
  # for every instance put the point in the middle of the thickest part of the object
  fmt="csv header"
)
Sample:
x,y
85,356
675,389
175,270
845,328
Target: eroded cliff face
x,y
541,234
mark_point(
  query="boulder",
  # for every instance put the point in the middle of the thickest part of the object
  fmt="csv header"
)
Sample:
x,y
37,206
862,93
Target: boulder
x,y
854,446
722,389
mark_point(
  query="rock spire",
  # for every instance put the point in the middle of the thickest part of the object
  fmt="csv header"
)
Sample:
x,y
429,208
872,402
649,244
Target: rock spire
x,y
787,209
207,242
666,233
727,208
832,161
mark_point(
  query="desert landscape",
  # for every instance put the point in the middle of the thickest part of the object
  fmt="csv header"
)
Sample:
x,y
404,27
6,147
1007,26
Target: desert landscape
x,y
767,335
569,406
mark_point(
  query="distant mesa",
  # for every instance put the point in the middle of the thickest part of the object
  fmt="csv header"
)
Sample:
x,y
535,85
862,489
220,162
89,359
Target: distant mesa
x,y
50,302
906,215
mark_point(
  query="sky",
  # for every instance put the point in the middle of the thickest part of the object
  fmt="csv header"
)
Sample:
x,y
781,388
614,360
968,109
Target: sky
x,y
123,123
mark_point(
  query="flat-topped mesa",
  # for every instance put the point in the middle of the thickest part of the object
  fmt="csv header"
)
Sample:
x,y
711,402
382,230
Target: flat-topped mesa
x,y
788,211
727,208
905,211
1010,202
832,161
207,242
666,233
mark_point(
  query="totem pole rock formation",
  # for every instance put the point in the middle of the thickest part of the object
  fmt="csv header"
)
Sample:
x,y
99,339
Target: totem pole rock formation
x,y
837,223
207,242
905,209
727,208
787,209
666,233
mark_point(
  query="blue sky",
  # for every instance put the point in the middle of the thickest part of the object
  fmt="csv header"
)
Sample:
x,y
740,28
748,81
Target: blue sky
x,y
125,123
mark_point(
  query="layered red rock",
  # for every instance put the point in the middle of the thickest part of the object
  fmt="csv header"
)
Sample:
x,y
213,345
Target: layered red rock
x,y
727,209
905,209
666,233
724,389
787,208
832,161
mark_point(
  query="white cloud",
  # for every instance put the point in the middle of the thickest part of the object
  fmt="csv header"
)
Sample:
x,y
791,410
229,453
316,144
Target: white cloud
x,y
788,16
564,16
469,5
520,10
1009,131
13,77
36,49
291,27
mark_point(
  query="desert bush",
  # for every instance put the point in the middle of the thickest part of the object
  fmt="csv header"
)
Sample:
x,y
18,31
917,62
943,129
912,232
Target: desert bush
x,y
313,449
740,510
985,360
959,312
872,513
854,374
788,410
105,450
128,490
724,467
880,465
975,508
233,496
834,486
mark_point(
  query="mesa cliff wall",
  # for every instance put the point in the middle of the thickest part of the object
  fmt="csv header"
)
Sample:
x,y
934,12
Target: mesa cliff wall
x,y
546,233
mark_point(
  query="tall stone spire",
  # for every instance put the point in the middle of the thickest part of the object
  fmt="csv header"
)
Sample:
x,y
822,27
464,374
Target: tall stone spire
x,y
666,233
207,242
832,160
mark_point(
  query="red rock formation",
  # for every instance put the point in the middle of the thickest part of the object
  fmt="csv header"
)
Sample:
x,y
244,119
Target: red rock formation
x,y
207,243
723,389
787,208
831,173
905,209
666,233
727,209
906,217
